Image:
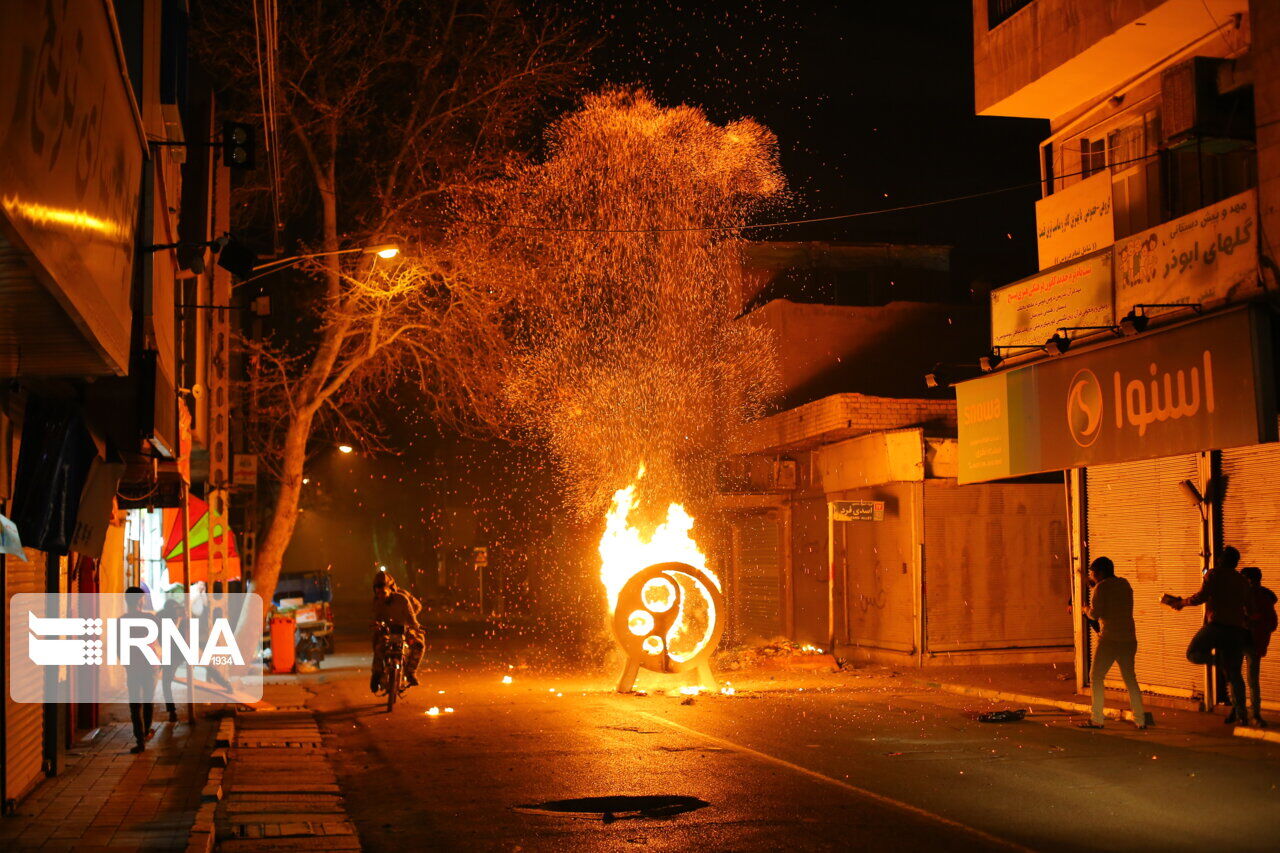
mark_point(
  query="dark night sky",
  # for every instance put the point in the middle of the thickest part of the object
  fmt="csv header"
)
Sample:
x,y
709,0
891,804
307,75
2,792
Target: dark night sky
x,y
872,103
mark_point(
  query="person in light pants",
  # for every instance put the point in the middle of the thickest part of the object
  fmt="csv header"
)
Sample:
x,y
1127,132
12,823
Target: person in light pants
x,y
1111,606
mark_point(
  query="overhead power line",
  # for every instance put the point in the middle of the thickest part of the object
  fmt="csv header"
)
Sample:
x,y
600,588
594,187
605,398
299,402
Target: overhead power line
x,y
837,217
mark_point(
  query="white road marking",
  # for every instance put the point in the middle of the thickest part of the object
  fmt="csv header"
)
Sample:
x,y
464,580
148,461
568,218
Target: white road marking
x,y
862,792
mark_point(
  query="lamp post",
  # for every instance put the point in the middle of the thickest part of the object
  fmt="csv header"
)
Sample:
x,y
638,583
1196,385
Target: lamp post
x,y
386,251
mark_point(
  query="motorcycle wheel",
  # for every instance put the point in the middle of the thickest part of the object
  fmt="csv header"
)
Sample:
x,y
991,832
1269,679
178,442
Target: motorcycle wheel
x,y
393,685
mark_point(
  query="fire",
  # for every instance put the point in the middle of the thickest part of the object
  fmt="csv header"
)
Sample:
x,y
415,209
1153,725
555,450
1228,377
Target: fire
x,y
625,550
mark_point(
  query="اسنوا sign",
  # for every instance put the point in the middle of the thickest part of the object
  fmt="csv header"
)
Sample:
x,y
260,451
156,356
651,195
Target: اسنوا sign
x,y
857,510
1203,385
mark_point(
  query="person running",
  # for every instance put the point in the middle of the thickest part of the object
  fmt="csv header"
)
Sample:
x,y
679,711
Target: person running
x,y
1225,635
1111,606
1262,624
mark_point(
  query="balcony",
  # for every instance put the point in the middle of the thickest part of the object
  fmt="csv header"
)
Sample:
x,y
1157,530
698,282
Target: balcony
x,y
1044,58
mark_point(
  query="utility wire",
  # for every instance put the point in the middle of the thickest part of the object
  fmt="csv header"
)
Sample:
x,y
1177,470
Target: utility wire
x,y
528,226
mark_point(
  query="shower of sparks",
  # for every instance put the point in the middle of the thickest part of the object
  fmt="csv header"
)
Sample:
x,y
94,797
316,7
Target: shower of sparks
x,y
638,356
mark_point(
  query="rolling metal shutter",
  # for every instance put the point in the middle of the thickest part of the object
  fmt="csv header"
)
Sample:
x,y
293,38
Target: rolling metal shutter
x,y
759,580
996,573
1251,522
1138,517
24,722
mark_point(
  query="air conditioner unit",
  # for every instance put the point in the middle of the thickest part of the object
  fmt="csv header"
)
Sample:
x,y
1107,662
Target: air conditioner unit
x,y
1190,103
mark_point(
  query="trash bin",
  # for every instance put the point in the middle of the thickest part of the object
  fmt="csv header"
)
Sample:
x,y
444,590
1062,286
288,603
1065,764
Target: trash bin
x,y
283,655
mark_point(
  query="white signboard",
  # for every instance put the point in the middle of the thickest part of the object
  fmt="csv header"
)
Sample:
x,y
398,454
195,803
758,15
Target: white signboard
x,y
1206,257
1074,294
1075,221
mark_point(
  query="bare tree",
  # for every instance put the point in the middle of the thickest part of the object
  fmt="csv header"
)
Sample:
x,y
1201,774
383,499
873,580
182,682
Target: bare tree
x,y
385,109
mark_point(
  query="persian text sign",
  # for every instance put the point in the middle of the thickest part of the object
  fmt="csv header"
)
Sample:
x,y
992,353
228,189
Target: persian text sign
x,y
1200,386
119,648
1204,257
1073,294
1075,221
71,156
857,510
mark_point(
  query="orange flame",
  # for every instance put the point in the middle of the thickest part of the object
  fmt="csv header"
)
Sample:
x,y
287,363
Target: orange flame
x,y
625,550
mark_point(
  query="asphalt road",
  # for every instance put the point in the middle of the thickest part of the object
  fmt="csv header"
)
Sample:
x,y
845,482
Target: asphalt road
x,y
837,762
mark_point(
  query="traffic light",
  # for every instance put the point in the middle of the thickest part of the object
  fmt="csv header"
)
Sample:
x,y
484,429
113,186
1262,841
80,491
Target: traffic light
x,y
237,145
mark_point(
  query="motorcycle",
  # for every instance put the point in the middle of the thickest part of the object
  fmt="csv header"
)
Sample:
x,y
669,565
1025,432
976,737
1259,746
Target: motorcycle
x,y
391,651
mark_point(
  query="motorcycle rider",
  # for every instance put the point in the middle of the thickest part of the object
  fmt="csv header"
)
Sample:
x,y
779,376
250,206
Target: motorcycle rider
x,y
396,607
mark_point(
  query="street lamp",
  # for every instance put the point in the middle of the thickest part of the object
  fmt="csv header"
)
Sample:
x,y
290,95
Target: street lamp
x,y
382,250
345,448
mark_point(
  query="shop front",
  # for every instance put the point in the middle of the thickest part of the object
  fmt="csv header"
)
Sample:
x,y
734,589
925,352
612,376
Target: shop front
x,y
1169,440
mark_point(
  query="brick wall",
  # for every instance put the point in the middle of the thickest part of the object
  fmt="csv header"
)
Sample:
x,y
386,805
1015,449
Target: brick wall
x,y
842,416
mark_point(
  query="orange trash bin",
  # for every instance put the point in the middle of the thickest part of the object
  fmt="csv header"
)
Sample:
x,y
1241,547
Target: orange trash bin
x,y
283,647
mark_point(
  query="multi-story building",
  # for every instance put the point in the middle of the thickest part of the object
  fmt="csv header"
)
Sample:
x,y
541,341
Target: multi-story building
x,y
105,383
1140,359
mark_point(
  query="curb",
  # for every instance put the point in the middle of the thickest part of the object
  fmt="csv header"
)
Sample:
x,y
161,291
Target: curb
x,y
1024,699
1257,734
201,838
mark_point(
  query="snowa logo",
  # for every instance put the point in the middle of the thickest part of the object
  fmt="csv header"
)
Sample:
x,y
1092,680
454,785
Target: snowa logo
x,y
129,640
1084,408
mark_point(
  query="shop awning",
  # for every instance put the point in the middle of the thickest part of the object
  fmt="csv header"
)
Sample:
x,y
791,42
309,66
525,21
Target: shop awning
x,y
204,532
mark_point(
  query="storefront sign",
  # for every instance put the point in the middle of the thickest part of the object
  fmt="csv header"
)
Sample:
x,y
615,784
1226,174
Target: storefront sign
x,y
1075,221
1199,386
1073,294
1205,257
71,153
857,510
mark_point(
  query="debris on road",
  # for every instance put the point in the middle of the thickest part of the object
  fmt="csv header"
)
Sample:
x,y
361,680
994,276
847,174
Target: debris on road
x,y
1010,715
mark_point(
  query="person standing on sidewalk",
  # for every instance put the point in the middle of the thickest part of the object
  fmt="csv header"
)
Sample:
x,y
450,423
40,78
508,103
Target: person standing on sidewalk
x,y
172,611
1262,624
140,674
1111,605
1224,636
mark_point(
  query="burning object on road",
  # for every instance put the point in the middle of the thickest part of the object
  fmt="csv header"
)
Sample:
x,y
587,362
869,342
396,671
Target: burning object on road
x,y
667,605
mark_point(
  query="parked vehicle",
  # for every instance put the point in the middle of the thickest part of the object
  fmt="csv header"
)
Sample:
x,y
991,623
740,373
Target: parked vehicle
x,y
310,596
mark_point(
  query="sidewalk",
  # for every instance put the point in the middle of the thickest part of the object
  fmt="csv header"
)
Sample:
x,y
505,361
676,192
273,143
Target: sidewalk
x,y
108,799
279,791
1053,686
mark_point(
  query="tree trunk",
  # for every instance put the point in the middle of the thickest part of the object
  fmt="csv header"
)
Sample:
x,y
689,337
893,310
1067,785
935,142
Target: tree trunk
x,y
284,515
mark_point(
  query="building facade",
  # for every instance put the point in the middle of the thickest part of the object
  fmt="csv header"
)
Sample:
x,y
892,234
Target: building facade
x,y
1141,358
113,379
845,526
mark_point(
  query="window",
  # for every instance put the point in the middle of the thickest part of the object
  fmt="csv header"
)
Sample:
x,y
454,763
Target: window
x,y
999,11
1135,169
1093,156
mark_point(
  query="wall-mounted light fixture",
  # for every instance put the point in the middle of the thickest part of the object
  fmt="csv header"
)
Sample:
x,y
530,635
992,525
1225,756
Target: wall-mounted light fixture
x,y
1137,320
945,374
990,362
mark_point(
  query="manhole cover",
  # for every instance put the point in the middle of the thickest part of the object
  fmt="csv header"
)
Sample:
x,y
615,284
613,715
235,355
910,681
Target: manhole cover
x,y
615,808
